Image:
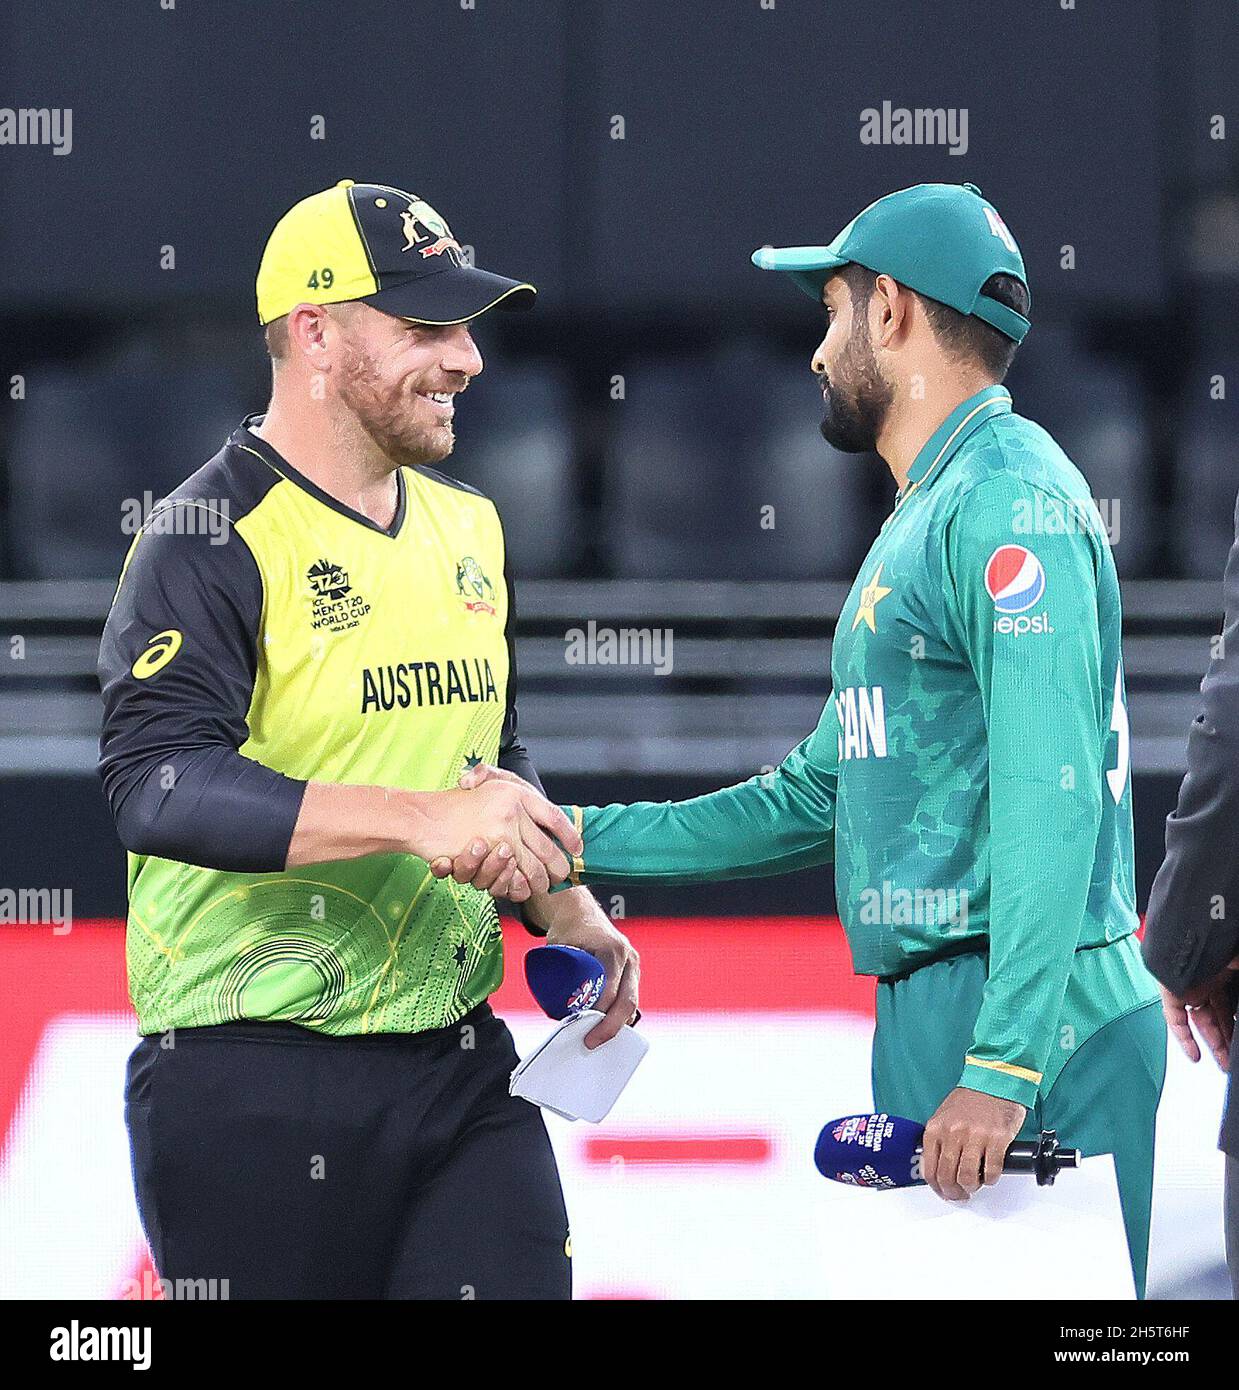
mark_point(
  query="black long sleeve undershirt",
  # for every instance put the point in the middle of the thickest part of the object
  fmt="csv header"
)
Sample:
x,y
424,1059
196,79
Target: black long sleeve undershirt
x,y
177,785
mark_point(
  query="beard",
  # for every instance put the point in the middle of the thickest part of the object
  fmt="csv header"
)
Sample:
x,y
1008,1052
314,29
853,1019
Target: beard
x,y
387,415
857,398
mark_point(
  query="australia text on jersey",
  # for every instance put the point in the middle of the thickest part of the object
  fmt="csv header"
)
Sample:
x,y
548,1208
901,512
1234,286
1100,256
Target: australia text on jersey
x,y
469,679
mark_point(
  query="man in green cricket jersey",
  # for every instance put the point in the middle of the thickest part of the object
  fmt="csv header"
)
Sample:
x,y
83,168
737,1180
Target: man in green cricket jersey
x,y
969,775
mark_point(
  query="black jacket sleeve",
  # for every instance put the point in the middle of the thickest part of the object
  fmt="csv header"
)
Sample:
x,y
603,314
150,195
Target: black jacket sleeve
x,y
1192,928
177,666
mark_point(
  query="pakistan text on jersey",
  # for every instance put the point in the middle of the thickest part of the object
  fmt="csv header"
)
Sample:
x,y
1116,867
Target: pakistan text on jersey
x,y
428,683
862,722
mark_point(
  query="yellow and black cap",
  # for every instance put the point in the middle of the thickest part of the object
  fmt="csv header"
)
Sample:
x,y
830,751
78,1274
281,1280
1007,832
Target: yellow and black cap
x,y
382,246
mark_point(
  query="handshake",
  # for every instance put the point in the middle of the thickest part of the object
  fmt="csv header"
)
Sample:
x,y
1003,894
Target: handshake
x,y
516,843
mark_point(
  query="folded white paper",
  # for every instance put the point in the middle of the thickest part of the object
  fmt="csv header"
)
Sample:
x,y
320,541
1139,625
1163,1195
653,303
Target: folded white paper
x,y
562,1075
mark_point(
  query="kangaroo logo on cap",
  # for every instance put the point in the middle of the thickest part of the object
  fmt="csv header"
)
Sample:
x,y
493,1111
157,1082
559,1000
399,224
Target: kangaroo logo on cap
x,y
427,233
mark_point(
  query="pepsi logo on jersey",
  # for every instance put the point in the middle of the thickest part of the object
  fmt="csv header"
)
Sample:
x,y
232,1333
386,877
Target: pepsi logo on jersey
x,y
1015,580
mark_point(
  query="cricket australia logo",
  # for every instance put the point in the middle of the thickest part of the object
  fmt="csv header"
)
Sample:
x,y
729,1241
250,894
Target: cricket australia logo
x,y
427,233
334,604
473,586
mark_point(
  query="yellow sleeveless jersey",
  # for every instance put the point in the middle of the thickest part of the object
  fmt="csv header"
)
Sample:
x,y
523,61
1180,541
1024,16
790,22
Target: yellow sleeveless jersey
x,y
262,636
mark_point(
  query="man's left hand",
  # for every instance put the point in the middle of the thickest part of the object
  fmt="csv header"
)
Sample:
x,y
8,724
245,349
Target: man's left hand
x,y
574,918
609,945
966,1141
1207,1012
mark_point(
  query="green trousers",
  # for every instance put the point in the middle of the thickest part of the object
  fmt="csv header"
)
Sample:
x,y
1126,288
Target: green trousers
x,y
1101,1087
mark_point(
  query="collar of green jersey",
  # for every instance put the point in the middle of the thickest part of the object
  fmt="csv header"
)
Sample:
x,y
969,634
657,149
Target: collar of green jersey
x,y
966,418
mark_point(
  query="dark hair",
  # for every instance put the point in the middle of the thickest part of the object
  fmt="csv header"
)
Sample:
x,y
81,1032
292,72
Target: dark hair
x,y
971,339
966,337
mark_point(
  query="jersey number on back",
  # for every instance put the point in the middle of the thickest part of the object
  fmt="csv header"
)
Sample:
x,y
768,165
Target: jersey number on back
x,y
1116,776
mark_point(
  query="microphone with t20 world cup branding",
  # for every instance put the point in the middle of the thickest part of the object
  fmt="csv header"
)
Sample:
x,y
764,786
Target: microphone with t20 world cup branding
x,y
564,979
884,1151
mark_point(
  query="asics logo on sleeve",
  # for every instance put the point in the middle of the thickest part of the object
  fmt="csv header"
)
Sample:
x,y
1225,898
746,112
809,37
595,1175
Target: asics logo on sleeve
x,y
160,649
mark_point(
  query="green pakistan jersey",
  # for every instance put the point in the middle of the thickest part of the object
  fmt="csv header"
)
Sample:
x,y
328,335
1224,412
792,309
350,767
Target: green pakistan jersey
x,y
263,635
969,774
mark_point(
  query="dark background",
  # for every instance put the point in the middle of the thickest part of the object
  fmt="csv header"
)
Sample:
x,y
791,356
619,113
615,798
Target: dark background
x,y
192,125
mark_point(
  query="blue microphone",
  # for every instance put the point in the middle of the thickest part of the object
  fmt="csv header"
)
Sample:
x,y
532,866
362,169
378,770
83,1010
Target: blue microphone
x,y
563,979
884,1151
878,1151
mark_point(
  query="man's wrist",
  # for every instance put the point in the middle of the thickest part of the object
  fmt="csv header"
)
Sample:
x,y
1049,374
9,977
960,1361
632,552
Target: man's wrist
x,y
1003,1080
565,909
409,820
339,820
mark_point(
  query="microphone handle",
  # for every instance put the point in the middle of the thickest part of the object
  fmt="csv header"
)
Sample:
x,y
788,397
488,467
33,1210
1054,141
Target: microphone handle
x,y
1022,1157
1041,1156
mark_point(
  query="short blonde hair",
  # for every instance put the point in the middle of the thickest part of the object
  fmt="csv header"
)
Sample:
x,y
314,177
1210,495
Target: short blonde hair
x,y
276,334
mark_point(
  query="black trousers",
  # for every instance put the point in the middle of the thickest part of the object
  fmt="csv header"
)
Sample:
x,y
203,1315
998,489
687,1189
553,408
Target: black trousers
x,y
297,1165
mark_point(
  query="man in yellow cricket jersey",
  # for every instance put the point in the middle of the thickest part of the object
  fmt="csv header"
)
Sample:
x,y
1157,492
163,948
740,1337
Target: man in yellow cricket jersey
x,y
319,1107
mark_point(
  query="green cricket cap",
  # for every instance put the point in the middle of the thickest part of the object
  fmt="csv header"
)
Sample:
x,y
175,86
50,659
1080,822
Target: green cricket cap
x,y
943,240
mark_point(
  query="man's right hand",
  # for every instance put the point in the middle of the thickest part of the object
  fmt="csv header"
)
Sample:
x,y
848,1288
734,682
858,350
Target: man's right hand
x,y
505,823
